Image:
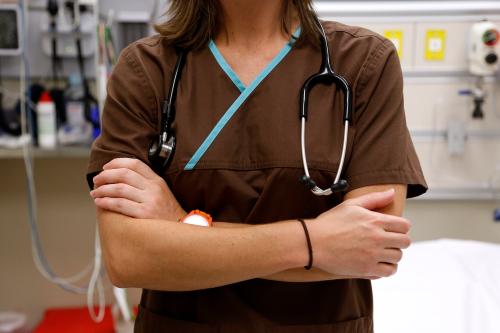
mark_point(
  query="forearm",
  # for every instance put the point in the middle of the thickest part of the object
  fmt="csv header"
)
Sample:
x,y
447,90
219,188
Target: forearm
x,y
164,255
291,275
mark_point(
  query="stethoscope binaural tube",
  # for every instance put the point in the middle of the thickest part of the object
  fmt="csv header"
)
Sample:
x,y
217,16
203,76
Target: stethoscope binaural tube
x,y
325,75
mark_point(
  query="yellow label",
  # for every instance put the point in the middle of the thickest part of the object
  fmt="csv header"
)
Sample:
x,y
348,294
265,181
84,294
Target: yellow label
x,y
396,37
435,45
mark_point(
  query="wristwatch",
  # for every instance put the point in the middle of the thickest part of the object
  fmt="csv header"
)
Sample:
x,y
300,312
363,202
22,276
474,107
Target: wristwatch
x,y
199,218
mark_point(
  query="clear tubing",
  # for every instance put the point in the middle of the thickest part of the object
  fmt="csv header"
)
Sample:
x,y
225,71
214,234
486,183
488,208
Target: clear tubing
x,y
39,258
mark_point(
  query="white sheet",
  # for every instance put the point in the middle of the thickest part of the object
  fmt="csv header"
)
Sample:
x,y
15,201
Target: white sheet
x,y
442,286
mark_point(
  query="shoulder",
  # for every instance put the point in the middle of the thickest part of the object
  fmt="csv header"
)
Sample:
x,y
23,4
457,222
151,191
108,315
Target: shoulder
x,y
146,62
356,51
149,51
350,38
361,55
337,29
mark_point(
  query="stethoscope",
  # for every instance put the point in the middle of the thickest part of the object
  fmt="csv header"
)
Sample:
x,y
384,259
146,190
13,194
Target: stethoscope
x,y
162,149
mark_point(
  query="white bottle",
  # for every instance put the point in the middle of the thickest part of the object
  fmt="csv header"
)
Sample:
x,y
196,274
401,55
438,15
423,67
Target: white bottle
x,y
47,123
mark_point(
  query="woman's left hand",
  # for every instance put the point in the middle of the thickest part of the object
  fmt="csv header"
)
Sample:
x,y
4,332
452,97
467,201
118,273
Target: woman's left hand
x,y
129,187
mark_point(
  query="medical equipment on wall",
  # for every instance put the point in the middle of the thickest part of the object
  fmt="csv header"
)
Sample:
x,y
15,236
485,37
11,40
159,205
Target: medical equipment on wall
x,y
484,50
41,263
61,28
10,45
10,30
162,149
131,26
77,109
76,130
10,123
89,101
53,10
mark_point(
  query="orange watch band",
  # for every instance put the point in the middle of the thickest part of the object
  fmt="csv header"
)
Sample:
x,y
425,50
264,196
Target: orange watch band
x,y
197,217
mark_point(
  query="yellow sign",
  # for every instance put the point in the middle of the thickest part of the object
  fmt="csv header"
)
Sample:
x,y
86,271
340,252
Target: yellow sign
x,y
396,37
435,45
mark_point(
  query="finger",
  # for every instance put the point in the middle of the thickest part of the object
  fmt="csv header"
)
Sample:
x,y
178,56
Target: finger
x,y
397,241
391,256
124,191
385,269
124,176
132,164
119,205
373,201
391,223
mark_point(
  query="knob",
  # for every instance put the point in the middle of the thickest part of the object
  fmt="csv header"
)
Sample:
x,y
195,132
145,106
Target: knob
x,y
491,59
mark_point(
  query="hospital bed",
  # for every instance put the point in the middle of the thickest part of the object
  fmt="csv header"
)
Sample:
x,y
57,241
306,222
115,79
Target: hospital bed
x,y
444,286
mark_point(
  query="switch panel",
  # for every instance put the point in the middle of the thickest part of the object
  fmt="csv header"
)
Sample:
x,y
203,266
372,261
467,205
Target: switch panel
x,y
441,46
435,45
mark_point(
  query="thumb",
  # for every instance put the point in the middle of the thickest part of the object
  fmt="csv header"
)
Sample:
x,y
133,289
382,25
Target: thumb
x,y
374,201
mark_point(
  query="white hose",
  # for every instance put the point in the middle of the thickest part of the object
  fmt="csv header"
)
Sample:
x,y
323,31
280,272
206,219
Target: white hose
x,y
39,258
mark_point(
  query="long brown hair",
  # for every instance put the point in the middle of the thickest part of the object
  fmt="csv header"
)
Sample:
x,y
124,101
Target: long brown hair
x,y
192,23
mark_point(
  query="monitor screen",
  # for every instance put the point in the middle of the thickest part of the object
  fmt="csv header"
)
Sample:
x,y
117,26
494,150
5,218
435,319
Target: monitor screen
x,y
9,31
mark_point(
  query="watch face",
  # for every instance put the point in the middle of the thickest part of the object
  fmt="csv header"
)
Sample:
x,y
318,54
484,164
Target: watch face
x,y
196,220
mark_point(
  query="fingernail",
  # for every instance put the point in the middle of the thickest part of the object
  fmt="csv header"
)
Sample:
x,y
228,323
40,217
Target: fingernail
x,y
391,190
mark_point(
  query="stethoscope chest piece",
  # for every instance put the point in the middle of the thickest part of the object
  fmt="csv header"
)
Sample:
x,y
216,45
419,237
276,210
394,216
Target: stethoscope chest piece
x,y
161,152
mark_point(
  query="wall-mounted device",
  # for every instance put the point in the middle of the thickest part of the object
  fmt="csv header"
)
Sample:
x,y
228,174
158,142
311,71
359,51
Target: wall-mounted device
x,y
484,49
66,33
10,30
484,52
132,25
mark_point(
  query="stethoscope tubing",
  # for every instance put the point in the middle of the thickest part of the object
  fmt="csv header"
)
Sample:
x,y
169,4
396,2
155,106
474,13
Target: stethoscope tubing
x,y
317,190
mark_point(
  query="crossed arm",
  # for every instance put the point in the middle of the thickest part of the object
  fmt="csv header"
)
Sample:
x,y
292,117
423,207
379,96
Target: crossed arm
x,y
144,247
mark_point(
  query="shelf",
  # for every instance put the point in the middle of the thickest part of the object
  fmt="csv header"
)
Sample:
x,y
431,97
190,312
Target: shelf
x,y
61,152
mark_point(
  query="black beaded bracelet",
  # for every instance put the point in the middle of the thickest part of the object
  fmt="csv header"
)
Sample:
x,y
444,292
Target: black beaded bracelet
x,y
309,245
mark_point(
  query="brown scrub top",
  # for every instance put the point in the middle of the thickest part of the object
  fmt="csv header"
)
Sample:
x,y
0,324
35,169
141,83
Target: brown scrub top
x,y
250,174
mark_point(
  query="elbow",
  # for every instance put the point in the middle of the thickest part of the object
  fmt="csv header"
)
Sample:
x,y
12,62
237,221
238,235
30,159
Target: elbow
x,y
117,275
115,263
116,254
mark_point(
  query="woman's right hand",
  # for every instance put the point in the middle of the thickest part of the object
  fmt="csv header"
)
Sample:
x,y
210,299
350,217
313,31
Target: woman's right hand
x,y
354,240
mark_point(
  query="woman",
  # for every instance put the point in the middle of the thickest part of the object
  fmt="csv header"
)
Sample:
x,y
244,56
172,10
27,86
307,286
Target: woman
x,y
246,273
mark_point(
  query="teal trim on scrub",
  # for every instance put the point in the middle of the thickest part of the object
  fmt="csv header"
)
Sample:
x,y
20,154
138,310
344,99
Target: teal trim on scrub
x,y
225,66
239,101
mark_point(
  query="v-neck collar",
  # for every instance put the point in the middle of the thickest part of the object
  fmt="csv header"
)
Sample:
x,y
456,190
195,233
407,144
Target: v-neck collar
x,y
245,93
224,65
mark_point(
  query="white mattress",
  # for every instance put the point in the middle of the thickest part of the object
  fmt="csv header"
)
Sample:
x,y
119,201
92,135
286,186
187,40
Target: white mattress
x,y
442,286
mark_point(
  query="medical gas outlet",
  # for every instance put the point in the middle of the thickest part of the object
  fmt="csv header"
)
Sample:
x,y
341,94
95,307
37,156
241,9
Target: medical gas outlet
x,y
484,50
